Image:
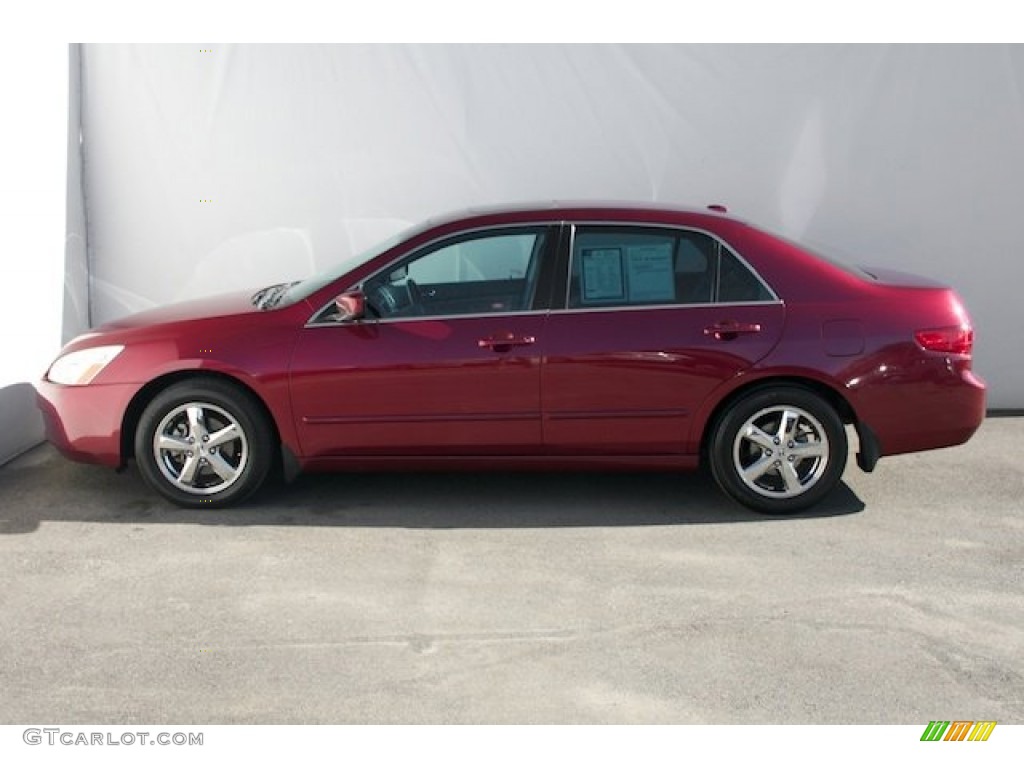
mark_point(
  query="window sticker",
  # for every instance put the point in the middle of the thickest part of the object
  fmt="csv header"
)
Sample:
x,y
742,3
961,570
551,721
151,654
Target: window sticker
x,y
650,274
601,271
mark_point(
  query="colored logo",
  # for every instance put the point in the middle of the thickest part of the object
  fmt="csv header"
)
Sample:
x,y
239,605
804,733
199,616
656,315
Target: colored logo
x,y
958,730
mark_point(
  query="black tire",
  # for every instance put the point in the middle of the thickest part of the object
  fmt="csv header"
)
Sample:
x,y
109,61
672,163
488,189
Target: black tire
x,y
778,450
204,443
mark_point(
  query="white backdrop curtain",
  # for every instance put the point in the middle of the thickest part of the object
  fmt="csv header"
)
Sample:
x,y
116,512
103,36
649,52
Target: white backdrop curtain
x,y
209,168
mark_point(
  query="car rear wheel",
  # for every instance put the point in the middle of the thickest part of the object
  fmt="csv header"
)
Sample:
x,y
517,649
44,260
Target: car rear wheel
x,y
779,450
203,442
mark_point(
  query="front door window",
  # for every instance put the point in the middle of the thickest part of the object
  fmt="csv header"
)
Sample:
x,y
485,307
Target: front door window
x,y
495,272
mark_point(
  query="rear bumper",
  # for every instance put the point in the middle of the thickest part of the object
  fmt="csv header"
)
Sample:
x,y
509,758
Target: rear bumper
x,y
944,410
84,423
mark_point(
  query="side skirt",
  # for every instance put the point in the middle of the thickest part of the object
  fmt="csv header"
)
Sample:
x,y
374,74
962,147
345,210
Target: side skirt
x,y
501,463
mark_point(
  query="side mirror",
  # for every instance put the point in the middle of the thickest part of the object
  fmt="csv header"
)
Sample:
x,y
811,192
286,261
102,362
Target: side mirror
x,y
351,306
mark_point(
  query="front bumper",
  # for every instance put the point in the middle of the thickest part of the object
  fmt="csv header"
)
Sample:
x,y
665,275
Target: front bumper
x,y
84,423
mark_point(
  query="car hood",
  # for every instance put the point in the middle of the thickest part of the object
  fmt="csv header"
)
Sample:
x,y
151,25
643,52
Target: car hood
x,y
237,303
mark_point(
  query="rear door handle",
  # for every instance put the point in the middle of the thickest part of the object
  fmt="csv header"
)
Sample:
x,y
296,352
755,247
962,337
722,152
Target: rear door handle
x,y
502,342
730,329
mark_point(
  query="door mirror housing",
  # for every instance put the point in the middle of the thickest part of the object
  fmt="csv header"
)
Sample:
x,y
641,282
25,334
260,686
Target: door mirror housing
x,y
351,306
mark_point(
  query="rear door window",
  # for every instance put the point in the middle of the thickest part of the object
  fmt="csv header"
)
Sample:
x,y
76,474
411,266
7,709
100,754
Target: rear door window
x,y
620,266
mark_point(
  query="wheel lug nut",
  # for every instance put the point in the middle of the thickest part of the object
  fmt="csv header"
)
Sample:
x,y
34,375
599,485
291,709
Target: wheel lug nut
x,y
776,441
790,444
792,458
206,439
768,452
189,454
778,463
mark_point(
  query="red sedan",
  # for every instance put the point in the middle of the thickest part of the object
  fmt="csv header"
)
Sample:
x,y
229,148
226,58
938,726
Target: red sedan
x,y
559,337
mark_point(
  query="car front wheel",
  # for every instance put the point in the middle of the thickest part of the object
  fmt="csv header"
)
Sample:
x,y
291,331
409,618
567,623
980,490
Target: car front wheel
x,y
779,450
203,442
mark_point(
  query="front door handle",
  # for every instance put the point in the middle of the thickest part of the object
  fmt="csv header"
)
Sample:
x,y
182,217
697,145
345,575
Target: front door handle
x,y
730,329
502,342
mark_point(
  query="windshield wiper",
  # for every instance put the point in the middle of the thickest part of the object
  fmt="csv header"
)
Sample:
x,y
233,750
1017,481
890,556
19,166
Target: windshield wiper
x,y
257,298
271,295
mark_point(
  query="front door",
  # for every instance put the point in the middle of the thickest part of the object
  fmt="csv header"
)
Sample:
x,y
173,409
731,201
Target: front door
x,y
447,361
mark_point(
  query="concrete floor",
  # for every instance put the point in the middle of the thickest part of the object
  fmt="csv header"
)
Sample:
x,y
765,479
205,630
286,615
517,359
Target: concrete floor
x,y
517,598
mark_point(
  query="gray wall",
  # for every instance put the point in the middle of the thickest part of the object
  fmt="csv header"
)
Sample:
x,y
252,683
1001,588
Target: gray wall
x,y
76,265
210,170
33,173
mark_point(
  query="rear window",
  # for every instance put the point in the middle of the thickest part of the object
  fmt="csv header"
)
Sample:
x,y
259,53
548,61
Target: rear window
x,y
844,263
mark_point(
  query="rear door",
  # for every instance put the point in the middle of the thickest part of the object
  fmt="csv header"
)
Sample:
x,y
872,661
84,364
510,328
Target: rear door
x,y
653,320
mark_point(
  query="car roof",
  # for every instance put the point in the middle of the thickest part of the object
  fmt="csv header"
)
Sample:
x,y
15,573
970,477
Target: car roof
x,y
553,210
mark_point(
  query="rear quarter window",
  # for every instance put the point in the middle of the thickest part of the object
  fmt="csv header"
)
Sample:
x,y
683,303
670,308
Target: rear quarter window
x,y
736,283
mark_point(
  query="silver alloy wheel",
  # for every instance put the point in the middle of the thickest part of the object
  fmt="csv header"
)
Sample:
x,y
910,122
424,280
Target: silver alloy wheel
x,y
200,448
781,452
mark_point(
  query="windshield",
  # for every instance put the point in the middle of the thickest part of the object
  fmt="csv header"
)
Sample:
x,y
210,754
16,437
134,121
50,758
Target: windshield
x,y
305,288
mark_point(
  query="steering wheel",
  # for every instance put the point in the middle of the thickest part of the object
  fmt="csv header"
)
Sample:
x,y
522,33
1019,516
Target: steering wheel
x,y
383,301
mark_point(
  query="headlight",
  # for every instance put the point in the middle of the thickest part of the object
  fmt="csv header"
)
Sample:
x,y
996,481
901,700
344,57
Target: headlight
x,y
79,368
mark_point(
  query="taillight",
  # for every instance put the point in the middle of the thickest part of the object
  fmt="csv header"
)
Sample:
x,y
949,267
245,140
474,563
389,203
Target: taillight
x,y
953,339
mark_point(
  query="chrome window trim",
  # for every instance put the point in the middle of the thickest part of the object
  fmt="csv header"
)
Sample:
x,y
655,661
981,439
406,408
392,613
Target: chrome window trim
x,y
528,313
680,228
548,224
664,307
422,318
573,225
